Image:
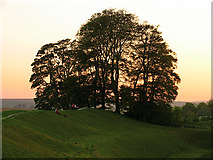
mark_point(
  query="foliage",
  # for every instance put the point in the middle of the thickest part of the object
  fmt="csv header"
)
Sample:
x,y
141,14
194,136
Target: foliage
x,y
53,64
114,60
77,92
189,110
104,39
150,112
152,66
177,119
203,110
191,115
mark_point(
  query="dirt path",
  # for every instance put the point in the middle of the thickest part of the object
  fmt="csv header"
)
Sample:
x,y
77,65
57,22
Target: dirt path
x,y
11,115
14,114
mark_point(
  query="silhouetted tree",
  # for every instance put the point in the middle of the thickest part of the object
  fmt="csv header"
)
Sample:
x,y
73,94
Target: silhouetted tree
x,y
153,67
104,38
115,60
53,64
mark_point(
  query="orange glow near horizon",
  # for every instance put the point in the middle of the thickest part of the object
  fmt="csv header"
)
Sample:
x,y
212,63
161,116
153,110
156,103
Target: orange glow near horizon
x,y
27,26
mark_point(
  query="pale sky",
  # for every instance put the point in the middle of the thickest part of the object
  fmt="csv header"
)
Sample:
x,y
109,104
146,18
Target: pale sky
x,y
25,26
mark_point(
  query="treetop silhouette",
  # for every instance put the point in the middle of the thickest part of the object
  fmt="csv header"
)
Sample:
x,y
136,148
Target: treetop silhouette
x,y
114,60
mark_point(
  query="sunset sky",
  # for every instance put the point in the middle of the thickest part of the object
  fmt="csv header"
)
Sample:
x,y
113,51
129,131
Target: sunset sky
x,y
26,25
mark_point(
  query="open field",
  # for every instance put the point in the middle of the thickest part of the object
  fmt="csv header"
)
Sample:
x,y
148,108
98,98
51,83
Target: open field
x,y
93,133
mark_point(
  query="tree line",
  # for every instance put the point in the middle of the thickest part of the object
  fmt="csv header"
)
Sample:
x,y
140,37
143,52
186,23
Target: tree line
x,y
114,60
190,114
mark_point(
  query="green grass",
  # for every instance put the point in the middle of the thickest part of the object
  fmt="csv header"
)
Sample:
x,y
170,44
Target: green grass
x,y
200,124
93,133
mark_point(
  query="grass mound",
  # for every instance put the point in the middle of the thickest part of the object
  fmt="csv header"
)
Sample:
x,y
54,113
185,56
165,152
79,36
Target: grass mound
x,y
93,133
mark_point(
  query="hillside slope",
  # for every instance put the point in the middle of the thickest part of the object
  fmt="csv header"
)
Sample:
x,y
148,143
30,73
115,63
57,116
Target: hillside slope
x,y
96,133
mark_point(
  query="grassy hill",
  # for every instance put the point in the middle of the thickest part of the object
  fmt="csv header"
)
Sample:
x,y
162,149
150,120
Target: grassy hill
x,y
94,133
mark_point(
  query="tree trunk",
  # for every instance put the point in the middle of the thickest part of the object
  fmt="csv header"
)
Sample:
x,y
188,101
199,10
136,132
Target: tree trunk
x,y
95,87
88,104
116,89
103,99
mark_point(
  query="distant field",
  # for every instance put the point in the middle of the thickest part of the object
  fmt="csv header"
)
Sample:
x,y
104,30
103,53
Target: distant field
x,y
8,109
93,133
17,103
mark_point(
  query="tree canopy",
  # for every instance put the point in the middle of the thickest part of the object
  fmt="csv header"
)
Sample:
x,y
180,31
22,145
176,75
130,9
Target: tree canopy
x,y
104,39
53,65
114,60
